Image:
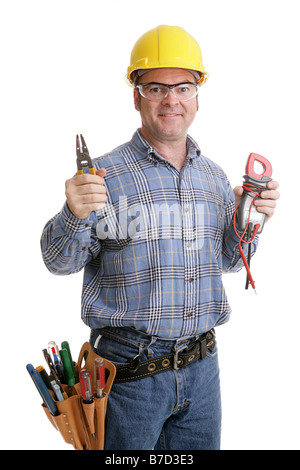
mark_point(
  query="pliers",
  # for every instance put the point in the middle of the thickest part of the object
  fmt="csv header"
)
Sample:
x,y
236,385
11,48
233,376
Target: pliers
x,y
83,156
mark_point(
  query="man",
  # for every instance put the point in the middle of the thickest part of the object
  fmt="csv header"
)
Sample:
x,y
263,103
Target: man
x,y
154,230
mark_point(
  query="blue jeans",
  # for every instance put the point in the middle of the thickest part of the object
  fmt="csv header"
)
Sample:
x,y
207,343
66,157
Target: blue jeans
x,y
172,410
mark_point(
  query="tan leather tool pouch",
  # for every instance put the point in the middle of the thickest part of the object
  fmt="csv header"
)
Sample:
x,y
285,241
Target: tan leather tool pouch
x,y
83,425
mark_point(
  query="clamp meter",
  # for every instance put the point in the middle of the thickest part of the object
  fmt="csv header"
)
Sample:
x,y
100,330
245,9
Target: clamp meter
x,y
253,185
249,221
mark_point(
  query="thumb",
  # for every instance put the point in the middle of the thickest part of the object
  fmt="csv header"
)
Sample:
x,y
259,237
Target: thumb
x,y
101,172
238,191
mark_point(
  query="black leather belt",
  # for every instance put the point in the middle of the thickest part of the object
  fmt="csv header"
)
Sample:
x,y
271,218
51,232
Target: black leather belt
x,y
136,369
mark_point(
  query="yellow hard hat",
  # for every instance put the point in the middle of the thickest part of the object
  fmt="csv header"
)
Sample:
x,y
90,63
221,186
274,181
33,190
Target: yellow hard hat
x,y
166,47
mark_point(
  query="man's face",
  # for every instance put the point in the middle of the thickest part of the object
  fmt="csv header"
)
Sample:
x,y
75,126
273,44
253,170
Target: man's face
x,y
169,119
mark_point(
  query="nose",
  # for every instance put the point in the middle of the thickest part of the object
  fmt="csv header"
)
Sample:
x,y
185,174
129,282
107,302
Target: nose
x,y
171,98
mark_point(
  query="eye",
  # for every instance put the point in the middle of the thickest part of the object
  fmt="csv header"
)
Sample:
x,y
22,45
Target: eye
x,y
183,89
154,89
186,91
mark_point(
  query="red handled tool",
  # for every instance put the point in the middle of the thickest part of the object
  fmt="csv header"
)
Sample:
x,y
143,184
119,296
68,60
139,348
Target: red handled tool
x,y
250,221
86,386
99,376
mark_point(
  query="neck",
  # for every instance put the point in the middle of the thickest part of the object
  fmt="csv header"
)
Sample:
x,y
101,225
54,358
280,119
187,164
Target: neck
x,y
172,150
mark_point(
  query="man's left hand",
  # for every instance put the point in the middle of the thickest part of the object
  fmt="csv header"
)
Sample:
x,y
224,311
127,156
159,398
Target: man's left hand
x,y
267,201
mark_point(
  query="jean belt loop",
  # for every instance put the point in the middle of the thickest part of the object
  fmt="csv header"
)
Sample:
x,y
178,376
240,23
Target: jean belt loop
x,y
96,343
141,348
149,350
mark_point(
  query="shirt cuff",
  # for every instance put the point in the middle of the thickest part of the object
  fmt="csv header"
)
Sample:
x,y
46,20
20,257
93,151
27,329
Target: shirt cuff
x,y
73,225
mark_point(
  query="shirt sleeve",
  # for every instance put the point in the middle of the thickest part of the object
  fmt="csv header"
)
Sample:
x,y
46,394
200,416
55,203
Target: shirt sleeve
x,y
69,243
231,257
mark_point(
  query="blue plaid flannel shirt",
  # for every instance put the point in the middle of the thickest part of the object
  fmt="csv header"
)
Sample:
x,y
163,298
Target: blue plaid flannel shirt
x,y
153,257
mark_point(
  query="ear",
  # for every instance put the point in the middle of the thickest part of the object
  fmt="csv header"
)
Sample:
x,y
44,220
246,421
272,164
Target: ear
x,y
136,99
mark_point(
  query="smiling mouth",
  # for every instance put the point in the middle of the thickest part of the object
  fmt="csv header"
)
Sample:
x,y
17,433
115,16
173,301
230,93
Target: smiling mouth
x,y
169,114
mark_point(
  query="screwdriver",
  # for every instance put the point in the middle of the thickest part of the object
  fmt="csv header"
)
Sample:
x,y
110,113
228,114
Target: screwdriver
x,y
99,376
86,388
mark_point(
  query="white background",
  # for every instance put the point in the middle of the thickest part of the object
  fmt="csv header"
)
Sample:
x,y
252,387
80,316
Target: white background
x,y
62,72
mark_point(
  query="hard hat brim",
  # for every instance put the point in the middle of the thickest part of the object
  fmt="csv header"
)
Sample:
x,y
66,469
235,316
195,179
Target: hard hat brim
x,y
131,81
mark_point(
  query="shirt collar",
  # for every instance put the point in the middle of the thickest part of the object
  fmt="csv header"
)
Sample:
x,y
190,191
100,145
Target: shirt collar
x,y
193,150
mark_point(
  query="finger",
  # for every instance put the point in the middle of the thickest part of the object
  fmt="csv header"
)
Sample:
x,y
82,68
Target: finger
x,y
93,198
265,203
273,184
270,194
91,189
87,178
269,211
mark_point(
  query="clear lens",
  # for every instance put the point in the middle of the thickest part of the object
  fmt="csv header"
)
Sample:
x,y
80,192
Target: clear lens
x,y
158,91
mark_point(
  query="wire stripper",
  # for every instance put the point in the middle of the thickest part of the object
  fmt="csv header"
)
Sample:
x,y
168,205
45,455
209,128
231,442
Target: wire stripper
x,y
83,156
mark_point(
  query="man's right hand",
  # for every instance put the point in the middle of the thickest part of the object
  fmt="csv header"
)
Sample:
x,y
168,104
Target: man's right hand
x,y
86,193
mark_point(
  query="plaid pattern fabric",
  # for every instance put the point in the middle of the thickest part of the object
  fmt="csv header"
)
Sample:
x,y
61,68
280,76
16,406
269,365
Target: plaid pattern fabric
x,y
154,256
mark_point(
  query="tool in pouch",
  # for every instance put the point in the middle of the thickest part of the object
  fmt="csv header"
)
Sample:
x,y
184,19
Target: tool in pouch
x,y
249,221
83,156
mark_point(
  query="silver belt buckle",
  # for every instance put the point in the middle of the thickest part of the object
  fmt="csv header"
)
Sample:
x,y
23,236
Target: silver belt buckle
x,y
178,362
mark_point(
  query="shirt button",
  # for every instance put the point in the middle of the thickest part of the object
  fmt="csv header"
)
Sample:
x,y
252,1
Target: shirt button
x,y
191,279
189,314
188,245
